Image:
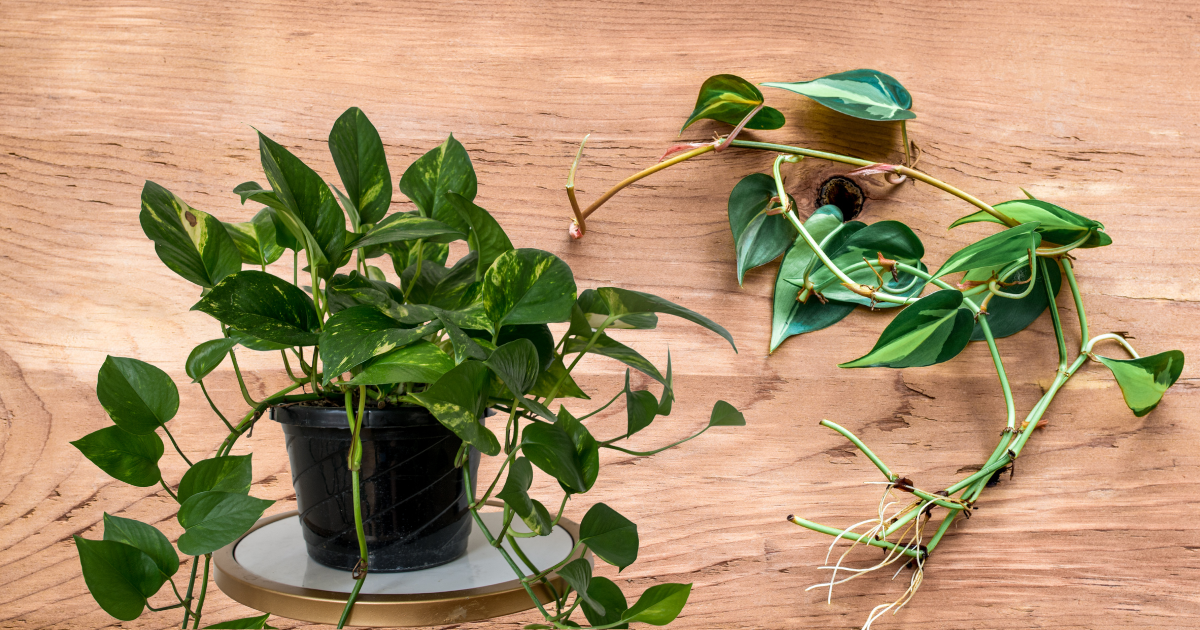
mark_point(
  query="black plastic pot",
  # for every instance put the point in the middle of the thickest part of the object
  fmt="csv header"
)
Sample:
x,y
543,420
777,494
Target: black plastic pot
x,y
414,502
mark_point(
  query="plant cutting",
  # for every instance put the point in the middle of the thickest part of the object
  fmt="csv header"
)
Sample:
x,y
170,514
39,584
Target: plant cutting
x,y
990,289
381,372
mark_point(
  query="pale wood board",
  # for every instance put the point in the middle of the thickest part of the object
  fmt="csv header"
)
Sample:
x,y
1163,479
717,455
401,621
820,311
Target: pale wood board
x,y
1091,105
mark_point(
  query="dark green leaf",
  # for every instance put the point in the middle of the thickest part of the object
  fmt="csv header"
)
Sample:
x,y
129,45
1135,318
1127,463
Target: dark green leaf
x,y
456,289
227,474
191,243
932,330
256,239
853,243
550,448
623,302
609,535
137,396
758,237
263,306
515,492
998,249
551,377
578,575
613,349
120,576
539,520
594,312
419,362
659,605
1006,316
345,291
1056,225
725,415
359,333
516,363
248,623
442,170
457,401
789,316
587,450
728,98
307,206
214,519
205,357
866,94
145,537
463,345
668,395
1144,381
528,286
123,455
358,154
486,238
640,407
407,226
605,592
538,334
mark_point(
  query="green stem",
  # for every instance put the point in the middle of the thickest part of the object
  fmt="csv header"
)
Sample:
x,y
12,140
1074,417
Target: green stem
x,y
175,444
355,463
591,342
1070,273
214,405
816,527
891,476
937,537
191,584
350,601
646,173
602,408
241,383
1055,318
168,489
203,591
904,135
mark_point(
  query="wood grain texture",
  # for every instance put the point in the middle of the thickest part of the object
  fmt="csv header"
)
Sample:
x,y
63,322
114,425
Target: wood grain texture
x,y
1092,105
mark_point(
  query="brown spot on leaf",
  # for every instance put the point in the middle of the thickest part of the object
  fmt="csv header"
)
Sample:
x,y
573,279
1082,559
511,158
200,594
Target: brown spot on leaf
x,y
191,218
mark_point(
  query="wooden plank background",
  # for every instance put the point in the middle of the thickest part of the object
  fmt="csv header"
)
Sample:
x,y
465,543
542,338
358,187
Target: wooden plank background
x,y
1090,104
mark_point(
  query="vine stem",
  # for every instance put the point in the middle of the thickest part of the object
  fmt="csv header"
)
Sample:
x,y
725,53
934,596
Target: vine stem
x,y
203,592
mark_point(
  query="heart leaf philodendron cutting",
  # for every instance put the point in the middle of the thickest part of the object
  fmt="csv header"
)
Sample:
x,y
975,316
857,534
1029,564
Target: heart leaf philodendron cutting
x,y
454,338
829,266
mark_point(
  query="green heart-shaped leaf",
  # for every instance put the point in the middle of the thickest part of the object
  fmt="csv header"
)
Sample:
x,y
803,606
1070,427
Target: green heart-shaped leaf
x,y
1144,381
464,346
1056,225
137,396
517,364
358,154
623,302
998,249
256,239
305,202
123,455
442,170
640,408
528,286
587,450
551,449
606,593
853,243
407,226
486,237
1006,316
729,99
359,333
790,317
578,575
537,334
247,623
145,537
457,401
263,306
191,243
227,474
419,362
613,349
758,237
865,94
515,492
552,376
932,330
726,415
214,519
205,357
609,535
120,577
659,605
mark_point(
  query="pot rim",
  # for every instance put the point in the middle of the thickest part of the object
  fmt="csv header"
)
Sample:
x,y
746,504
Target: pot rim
x,y
302,415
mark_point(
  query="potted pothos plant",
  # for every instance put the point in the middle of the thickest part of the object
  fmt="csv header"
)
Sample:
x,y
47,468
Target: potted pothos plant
x,y
379,373
990,289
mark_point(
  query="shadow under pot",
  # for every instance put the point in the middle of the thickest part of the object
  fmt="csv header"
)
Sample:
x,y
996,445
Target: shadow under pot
x,y
414,503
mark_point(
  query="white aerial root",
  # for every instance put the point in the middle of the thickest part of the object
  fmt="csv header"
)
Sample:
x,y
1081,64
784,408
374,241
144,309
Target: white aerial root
x,y
912,533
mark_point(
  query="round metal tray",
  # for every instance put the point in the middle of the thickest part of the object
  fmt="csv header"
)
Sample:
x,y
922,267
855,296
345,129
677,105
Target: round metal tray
x,y
268,569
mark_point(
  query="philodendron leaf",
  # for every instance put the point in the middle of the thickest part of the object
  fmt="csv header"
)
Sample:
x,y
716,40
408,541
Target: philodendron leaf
x,y
729,99
1144,381
231,473
214,519
120,577
517,364
515,492
358,154
307,205
995,250
137,396
866,94
853,243
444,169
612,537
537,334
606,593
659,605
1006,316
640,408
578,575
256,239
1056,225
205,357
359,333
726,415
419,362
595,312
265,307
486,236
191,243
758,237
932,330
613,349
551,449
145,537
123,455
247,623
623,302
528,286
407,226
457,401
790,317
587,449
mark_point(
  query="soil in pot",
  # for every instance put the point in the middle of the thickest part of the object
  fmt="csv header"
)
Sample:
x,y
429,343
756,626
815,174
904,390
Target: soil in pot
x,y
414,502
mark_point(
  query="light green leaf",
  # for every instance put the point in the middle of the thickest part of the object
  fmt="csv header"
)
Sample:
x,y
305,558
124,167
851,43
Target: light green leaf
x,y
790,317
998,249
191,243
123,455
659,605
419,362
137,396
613,349
1056,225
853,243
457,401
145,537
256,239
517,364
528,286
932,330
612,537
1144,381
758,237
120,577
263,306
594,312
205,357
358,154
214,519
247,623
623,302
231,473
605,592
866,94
305,202
407,226
359,333
726,415
578,575
728,98
442,170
